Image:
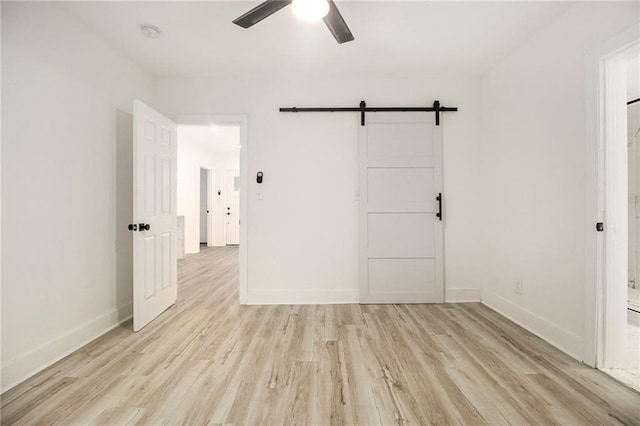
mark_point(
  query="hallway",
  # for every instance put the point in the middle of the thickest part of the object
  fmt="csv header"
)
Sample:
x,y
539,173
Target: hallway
x,y
208,359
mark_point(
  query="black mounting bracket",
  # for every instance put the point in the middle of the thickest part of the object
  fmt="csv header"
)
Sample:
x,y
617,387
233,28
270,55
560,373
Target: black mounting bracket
x,y
362,109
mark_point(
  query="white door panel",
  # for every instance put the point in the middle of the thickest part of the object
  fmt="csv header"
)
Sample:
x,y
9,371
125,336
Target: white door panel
x,y
400,233
401,275
154,204
400,157
400,189
233,207
399,139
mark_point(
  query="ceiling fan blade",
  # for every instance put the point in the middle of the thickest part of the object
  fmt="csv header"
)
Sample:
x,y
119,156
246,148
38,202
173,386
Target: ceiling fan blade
x,y
261,11
336,24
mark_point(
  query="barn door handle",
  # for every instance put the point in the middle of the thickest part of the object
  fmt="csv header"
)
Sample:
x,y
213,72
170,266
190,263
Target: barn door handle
x,y
145,226
439,198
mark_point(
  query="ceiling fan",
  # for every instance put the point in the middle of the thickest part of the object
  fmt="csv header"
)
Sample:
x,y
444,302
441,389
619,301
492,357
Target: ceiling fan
x,y
305,9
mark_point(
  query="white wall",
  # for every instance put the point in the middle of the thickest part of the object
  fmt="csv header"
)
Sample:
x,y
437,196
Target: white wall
x,y
535,177
303,234
66,175
191,158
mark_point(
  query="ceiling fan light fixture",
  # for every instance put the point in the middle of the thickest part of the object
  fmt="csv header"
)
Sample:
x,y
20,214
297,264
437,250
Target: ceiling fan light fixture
x,y
310,10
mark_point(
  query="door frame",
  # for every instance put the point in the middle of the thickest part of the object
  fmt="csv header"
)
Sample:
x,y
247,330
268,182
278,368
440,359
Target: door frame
x,y
206,120
606,200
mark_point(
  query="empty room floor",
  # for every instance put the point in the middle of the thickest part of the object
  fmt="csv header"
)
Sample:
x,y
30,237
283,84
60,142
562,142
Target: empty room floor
x,y
210,360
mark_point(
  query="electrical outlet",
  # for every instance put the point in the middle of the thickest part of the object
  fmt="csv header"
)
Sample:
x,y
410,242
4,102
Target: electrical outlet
x,y
518,288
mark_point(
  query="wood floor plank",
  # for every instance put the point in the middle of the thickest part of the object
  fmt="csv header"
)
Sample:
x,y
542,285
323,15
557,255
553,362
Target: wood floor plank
x,y
208,360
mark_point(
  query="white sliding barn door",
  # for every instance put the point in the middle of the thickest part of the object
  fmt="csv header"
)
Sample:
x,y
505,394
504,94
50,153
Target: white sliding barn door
x,y
400,157
154,205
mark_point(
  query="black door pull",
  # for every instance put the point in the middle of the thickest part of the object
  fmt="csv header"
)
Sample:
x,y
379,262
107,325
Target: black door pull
x,y
133,227
599,226
439,199
145,227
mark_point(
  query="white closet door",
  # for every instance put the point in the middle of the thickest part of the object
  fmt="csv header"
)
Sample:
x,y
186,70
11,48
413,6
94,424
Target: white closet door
x,y
155,208
400,157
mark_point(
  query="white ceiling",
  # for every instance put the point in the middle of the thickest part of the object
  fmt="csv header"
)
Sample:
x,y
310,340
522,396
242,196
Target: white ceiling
x,y
224,138
392,39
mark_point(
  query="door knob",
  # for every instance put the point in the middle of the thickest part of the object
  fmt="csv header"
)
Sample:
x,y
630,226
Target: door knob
x,y
228,213
145,226
133,227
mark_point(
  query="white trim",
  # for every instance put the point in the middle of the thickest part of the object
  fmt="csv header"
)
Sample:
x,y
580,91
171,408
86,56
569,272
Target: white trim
x,y
566,341
204,119
302,297
42,357
462,295
597,107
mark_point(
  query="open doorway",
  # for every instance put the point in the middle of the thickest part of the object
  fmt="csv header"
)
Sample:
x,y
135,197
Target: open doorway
x,y
633,284
613,260
209,184
224,137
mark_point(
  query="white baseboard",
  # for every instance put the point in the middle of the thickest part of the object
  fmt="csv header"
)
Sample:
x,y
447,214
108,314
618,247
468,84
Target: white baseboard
x,y
302,297
192,249
462,295
566,341
42,357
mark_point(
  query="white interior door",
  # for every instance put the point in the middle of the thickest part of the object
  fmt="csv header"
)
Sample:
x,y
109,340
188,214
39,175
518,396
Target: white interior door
x,y
233,207
400,174
154,207
204,206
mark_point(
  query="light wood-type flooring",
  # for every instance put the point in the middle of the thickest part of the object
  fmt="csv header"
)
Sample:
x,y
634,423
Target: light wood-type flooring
x,y
209,360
